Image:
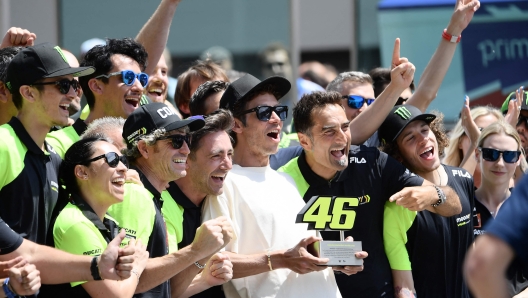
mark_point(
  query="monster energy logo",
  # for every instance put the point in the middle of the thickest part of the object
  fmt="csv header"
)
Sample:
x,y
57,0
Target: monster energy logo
x,y
61,53
403,112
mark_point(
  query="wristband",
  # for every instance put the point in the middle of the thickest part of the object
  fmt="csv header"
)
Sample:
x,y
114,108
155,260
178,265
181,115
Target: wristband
x,y
451,38
269,260
136,273
94,269
7,290
198,265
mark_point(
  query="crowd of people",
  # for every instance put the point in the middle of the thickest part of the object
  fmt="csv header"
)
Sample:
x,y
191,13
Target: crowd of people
x,y
111,186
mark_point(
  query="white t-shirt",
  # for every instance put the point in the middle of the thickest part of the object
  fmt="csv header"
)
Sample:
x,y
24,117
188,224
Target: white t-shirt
x,y
262,206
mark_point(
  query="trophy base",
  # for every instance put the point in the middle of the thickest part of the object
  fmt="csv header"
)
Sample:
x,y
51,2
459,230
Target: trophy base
x,y
339,253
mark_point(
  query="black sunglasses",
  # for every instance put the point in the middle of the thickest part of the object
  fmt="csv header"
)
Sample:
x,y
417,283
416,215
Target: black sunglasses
x,y
64,85
356,101
494,154
264,112
177,140
111,158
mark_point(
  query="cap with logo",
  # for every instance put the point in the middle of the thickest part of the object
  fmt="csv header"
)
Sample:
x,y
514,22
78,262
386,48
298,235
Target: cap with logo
x,y
398,118
239,89
39,62
150,117
524,104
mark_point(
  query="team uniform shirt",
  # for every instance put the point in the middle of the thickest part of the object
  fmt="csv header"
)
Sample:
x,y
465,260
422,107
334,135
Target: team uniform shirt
x,y
61,140
174,218
371,177
128,214
262,205
432,246
517,271
79,231
9,239
28,182
192,219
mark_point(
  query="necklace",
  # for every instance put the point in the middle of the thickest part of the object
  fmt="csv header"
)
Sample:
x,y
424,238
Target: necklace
x,y
439,176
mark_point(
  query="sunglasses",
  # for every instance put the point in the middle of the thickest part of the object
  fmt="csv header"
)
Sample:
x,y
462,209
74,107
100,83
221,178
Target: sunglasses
x,y
177,140
264,112
111,158
128,77
356,101
64,85
493,154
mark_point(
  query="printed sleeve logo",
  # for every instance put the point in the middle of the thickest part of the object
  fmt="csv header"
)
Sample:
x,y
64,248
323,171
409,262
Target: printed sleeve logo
x,y
461,173
403,113
354,159
54,186
165,112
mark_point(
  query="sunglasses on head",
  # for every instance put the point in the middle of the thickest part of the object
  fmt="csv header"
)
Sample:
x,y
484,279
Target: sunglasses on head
x,y
264,112
356,101
128,77
111,158
63,85
177,140
494,154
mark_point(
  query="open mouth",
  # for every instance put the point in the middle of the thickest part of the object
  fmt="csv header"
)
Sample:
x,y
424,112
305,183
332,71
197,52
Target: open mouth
x,y
274,134
118,182
64,106
155,91
427,153
218,178
179,160
132,101
338,153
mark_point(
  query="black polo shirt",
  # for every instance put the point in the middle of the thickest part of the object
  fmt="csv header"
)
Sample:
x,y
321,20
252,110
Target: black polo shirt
x,y
192,220
372,177
28,182
157,245
9,240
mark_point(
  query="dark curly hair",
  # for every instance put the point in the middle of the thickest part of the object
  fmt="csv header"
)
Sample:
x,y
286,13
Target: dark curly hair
x,y
302,113
436,126
197,103
100,58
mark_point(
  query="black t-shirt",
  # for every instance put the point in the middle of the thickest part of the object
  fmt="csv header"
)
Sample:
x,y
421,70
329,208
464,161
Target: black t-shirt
x,y
372,177
28,182
436,246
192,219
517,273
9,240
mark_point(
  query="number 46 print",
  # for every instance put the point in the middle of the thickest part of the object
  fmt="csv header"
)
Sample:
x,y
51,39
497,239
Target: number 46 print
x,y
329,213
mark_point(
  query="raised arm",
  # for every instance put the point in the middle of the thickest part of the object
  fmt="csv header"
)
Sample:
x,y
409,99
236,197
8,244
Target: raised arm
x,y
18,37
437,67
155,33
367,122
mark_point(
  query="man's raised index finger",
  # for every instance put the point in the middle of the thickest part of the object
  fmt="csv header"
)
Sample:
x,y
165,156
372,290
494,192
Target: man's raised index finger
x,y
396,53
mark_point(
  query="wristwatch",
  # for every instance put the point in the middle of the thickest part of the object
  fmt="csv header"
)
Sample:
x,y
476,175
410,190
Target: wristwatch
x,y
441,197
7,290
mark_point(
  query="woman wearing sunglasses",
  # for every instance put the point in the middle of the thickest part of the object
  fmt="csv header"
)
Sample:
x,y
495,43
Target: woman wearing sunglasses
x,y
498,154
92,175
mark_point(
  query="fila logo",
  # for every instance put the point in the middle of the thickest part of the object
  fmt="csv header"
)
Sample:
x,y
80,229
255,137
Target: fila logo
x,y
357,160
403,113
165,112
461,173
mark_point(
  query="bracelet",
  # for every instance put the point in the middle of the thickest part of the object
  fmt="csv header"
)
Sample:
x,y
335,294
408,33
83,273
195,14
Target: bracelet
x,y
94,269
451,38
136,273
269,260
199,266
10,293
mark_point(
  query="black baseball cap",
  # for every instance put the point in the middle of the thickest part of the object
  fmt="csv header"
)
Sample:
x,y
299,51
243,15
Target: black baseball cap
x,y
152,116
239,89
39,62
398,118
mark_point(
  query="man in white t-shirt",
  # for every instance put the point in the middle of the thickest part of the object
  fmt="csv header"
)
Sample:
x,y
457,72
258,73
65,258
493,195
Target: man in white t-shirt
x,y
269,250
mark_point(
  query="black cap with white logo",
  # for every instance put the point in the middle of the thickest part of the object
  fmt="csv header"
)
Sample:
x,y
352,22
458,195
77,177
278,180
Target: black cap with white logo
x,y
398,118
150,117
39,62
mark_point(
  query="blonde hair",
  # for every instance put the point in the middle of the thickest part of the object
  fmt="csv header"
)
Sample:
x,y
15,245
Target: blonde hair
x,y
454,155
